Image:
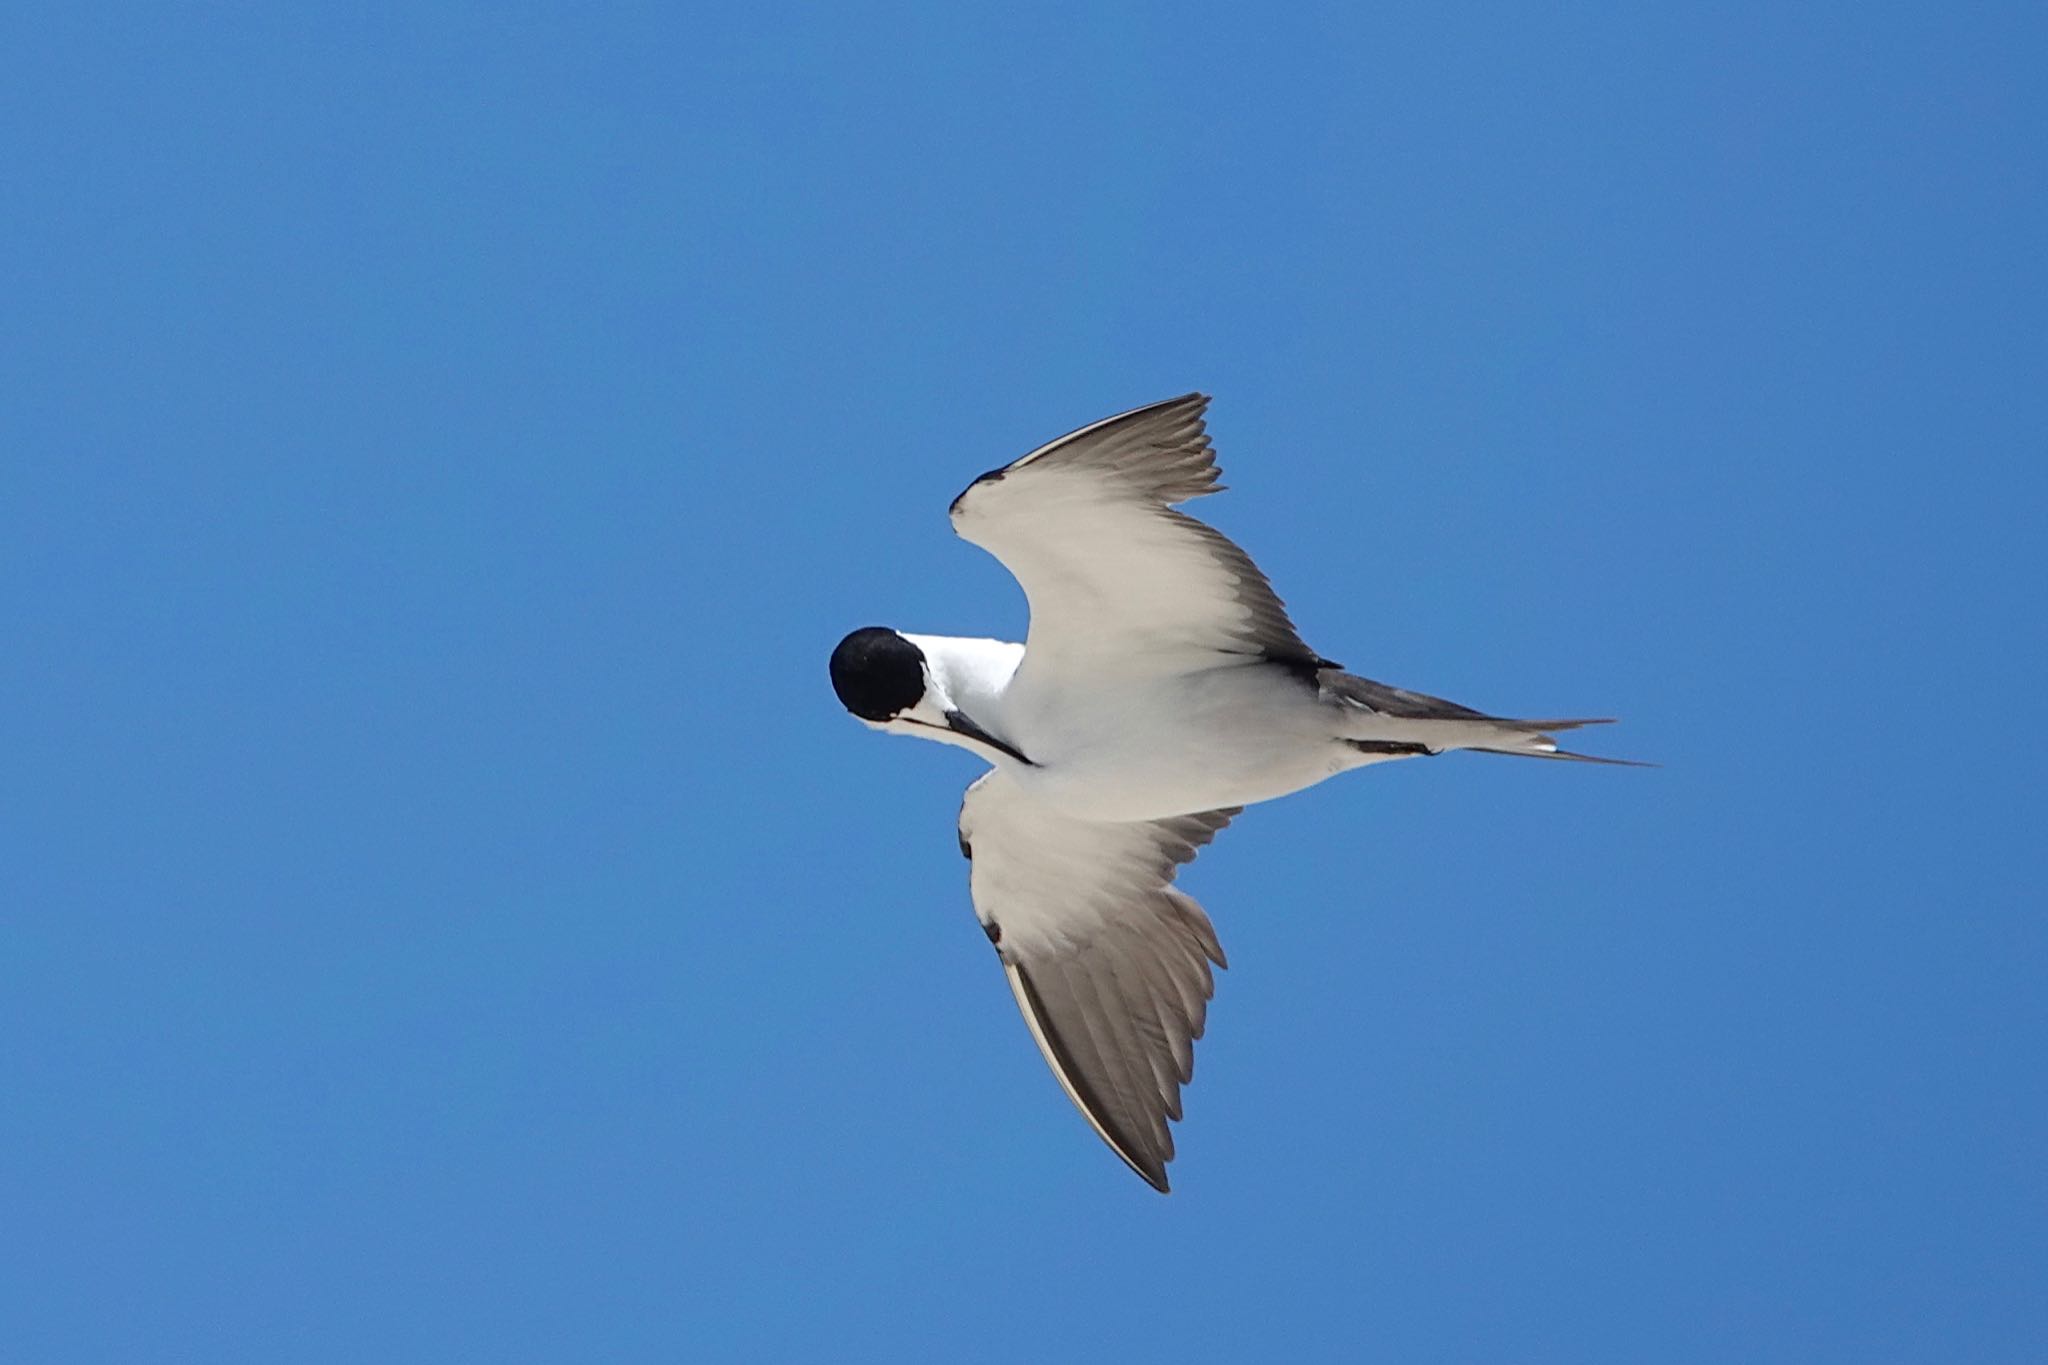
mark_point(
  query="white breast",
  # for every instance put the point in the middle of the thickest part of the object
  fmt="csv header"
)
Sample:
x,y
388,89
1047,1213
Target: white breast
x,y
1143,750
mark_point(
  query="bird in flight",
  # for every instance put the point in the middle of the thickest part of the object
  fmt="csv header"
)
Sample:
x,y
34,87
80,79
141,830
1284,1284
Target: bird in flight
x,y
1160,689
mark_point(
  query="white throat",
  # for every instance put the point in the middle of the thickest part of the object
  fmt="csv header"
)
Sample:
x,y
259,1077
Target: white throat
x,y
966,680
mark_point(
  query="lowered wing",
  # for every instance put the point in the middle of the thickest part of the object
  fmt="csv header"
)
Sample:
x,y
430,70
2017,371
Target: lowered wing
x,y
1109,963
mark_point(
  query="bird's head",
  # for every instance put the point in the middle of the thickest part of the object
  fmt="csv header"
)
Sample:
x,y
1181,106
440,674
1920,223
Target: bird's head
x,y
887,681
884,679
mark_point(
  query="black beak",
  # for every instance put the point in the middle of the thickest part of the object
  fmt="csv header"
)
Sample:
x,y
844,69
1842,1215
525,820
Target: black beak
x,y
958,722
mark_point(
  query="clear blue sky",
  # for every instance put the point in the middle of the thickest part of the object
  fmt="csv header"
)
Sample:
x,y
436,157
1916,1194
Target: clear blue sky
x,y
448,917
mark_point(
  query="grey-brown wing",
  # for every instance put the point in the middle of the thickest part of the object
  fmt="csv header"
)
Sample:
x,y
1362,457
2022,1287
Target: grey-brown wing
x,y
1109,963
1086,524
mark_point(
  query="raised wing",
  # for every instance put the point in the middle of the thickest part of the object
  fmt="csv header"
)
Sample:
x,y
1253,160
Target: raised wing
x,y
1118,581
1109,963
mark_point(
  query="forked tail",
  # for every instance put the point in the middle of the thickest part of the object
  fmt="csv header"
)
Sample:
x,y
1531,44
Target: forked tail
x,y
1530,739
1393,722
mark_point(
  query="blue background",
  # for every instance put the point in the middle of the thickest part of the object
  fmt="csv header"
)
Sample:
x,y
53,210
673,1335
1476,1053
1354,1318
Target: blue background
x,y
448,917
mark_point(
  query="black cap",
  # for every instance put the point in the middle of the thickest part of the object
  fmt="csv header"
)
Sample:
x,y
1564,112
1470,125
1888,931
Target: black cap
x,y
877,673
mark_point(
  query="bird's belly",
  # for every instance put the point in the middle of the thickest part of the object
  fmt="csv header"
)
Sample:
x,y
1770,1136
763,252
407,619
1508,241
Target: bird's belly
x,y
1211,742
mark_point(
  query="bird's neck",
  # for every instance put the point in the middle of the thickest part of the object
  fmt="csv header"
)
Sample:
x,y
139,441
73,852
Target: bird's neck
x,y
974,673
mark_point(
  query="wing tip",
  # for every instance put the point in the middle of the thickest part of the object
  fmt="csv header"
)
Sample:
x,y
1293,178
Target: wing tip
x,y
1152,1173
1074,1082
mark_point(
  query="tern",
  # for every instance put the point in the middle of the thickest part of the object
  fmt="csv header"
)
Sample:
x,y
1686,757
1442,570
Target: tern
x,y
1160,689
